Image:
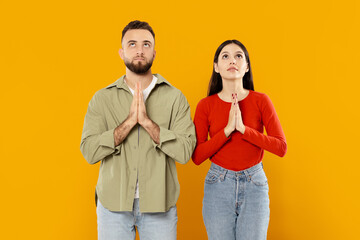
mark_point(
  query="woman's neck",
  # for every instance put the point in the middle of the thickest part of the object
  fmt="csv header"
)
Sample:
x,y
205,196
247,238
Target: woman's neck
x,y
233,86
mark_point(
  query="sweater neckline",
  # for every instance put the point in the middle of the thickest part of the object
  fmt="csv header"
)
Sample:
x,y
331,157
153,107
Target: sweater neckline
x,y
250,92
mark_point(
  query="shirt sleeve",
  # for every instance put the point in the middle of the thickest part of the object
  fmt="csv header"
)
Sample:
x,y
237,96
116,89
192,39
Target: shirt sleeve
x,y
206,148
97,142
178,142
274,141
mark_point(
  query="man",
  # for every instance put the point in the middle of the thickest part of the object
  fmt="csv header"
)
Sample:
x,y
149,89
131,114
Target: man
x,y
138,127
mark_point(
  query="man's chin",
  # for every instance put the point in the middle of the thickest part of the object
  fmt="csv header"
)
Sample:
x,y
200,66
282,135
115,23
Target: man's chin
x,y
141,71
139,68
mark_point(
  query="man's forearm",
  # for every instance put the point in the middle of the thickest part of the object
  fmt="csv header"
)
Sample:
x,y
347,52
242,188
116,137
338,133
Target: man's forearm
x,y
121,132
153,130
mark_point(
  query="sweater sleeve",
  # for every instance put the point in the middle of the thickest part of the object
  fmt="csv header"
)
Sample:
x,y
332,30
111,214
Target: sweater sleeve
x,y
274,141
205,148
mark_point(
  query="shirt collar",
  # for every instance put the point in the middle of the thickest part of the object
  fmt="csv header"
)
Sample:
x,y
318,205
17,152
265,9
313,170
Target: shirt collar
x,y
121,84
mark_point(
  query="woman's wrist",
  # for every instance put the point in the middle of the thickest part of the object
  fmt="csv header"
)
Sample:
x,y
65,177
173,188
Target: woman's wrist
x,y
227,131
242,129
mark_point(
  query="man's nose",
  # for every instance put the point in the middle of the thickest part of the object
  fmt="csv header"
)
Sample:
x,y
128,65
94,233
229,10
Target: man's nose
x,y
139,50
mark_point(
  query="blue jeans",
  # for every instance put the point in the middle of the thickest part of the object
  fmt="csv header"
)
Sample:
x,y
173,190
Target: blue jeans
x,y
121,225
236,204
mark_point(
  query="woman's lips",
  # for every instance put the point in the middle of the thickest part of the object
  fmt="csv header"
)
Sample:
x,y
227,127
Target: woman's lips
x,y
232,69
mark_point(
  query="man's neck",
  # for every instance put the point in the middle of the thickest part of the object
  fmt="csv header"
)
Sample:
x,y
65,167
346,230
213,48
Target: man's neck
x,y
132,78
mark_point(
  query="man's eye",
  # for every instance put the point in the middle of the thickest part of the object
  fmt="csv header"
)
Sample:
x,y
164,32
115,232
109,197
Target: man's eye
x,y
132,44
146,45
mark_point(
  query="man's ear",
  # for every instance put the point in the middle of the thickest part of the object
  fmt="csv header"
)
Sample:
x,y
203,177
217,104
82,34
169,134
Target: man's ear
x,y
154,54
121,53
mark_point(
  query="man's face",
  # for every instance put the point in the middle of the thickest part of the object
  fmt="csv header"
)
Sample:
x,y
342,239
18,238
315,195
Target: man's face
x,y
138,50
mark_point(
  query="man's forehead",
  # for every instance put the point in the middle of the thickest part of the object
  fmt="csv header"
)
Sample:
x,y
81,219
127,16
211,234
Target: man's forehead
x,y
139,35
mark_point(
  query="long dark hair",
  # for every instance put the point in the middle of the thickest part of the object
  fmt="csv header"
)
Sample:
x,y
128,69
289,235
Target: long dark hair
x,y
215,84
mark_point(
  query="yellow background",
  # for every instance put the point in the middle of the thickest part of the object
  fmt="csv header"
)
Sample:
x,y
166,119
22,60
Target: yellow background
x,y
56,54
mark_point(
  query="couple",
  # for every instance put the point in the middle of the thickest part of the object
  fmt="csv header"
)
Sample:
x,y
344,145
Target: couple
x,y
140,125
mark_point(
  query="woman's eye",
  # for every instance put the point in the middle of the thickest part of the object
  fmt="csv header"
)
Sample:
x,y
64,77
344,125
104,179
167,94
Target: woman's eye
x,y
225,56
239,56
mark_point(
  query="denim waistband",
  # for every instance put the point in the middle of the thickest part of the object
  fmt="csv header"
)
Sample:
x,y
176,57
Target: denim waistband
x,y
246,172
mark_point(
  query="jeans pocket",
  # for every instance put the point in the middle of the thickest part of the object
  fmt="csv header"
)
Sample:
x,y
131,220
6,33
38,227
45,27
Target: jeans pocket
x,y
212,177
259,178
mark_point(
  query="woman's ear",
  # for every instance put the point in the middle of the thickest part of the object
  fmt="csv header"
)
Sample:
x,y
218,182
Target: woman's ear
x,y
216,68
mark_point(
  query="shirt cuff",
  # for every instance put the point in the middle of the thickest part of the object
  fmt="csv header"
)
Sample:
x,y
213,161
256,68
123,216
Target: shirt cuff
x,y
165,135
107,140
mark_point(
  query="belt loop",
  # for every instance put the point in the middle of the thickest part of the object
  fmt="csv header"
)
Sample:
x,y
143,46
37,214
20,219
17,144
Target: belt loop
x,y
223,174
248,176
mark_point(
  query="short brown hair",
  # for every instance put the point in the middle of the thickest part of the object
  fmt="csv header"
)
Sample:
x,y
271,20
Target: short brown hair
x,y
137,25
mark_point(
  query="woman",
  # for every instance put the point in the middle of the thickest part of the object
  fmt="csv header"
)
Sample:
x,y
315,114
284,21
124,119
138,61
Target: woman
x,y
236,200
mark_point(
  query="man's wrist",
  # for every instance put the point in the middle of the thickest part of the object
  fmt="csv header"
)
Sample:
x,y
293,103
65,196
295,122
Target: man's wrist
x,y
123,128
146,123
130,122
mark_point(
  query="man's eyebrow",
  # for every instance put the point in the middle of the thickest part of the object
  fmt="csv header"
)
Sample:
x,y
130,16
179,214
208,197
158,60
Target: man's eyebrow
x,y
134,41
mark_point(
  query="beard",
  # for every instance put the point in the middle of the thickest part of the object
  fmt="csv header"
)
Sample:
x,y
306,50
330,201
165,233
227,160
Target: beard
x,y
138,68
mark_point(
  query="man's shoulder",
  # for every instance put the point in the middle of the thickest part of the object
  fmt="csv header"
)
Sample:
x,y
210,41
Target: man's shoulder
x,y
101,95
167,86
103,92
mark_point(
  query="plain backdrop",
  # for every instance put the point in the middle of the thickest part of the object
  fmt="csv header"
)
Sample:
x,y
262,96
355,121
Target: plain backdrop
x,y
56,54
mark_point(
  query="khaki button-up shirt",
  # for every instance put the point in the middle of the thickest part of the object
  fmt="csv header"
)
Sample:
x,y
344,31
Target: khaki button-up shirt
x,y
138,156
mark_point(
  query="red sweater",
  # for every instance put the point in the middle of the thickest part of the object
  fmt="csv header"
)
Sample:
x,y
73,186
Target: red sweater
x,y
238,151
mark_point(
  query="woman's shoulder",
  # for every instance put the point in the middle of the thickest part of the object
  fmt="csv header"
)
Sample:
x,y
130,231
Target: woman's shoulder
x,y
207,102
261,99
258,96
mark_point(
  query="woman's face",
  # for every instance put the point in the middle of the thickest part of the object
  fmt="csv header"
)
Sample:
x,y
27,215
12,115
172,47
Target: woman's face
x,y
231,63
